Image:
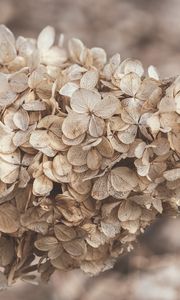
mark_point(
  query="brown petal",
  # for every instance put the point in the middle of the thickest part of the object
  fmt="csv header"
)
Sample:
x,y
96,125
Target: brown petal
x,y
94,159
123,179
64,233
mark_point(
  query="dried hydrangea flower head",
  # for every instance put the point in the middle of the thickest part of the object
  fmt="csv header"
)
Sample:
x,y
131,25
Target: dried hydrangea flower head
x,y
89,155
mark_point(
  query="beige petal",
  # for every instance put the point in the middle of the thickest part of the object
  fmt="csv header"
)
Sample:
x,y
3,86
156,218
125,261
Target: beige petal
x,y
8,172
7,98
68,89
107,107
133,66
4,85
131,226
46,38
148,90
100,188
128,136
105,148
21,119
162,146
117,145
172,175
157,204
130,84
80,186
131,111
154,123
7,45
77,156
11,158
42,186
39,139
24,178
153,73
37,105
9,218
73,142
61,165
96,126
48,170
83,101
75,48
75,125
56,143
174,140
55,56
99,57
128,211
142,169
89,80
18,82
6,136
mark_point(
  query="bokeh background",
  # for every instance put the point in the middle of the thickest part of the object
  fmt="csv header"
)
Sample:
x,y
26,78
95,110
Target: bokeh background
x,y
150,31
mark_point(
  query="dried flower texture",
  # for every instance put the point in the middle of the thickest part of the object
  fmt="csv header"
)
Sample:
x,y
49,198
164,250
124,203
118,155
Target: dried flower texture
x,y
89,154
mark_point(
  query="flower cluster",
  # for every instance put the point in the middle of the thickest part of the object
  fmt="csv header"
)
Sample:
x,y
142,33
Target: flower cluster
x,y
89,154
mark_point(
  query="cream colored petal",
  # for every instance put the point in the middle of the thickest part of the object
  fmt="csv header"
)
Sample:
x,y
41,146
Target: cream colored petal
x,y
89,80
7,98
83,100
171,175
133,66
73,142
142,169
56,142
130,84
6,136
96,126
107,107
154,123
54,56
75,48
39,139
77,156
99,57
18,82
34,105
153,73
61,165
7,45
68,89
128,136
42,186
75,125
21,119
8,172
48,170
46,38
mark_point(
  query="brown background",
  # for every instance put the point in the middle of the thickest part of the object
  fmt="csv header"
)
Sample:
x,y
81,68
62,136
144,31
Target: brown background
x,y
144,29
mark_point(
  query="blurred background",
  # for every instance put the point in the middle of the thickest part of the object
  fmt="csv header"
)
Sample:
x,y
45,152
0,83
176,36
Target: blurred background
x,y
149,31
